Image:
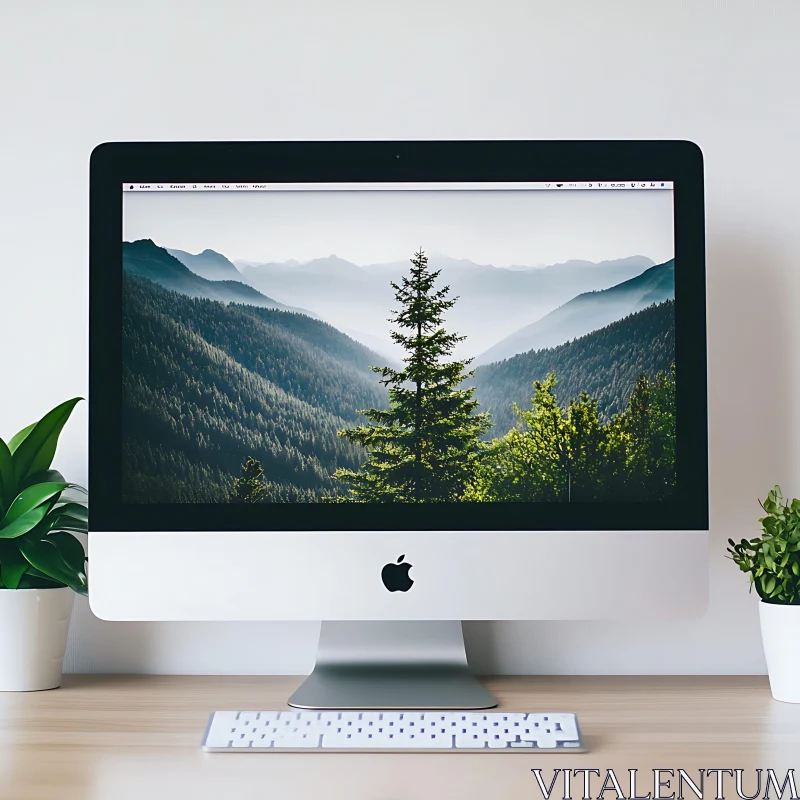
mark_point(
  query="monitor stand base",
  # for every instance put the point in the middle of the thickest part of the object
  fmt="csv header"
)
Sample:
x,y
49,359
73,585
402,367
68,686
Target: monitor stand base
x,y
392,665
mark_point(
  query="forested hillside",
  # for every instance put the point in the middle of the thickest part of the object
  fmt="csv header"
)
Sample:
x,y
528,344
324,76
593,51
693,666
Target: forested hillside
x,y
206,385
588,312
236,402
605,364
147,259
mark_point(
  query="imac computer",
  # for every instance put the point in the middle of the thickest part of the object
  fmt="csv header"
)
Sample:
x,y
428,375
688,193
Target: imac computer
x,y
392,386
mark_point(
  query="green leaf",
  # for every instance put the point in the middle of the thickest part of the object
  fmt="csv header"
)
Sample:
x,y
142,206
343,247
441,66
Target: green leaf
x,y
17,439
32,497
70,548
45,556
33,579
79,490
770,584
67,524
73,511
35,452
12,567
7,480
24,523
45,476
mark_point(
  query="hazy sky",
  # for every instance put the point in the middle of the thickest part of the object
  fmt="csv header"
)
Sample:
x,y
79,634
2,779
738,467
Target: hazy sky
x,y
367,227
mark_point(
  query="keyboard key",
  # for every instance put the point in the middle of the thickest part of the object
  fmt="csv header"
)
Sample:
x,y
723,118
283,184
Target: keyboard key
x,y
469,742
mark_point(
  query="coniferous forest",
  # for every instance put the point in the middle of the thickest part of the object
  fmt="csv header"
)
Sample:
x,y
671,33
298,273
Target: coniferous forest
x,y
231,402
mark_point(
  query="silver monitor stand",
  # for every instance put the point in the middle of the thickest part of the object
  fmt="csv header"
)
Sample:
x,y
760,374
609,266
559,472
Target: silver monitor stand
x,y
391,665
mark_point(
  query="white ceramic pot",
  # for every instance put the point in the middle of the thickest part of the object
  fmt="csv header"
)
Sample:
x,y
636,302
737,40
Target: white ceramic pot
x,y
33,637
780,632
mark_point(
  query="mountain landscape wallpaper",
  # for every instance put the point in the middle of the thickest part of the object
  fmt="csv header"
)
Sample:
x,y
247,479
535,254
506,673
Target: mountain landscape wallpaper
x,y
435,376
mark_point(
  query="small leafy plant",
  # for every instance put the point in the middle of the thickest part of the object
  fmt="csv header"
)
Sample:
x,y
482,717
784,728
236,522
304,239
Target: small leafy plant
x,y
40,511
773,559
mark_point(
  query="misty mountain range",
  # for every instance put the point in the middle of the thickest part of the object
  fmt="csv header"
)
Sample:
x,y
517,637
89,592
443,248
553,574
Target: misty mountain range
x,y
501,311
207,384
494,302
146,259
588,312
209,264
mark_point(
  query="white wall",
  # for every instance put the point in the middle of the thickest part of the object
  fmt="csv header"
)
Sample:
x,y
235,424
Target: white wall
x,y
724,74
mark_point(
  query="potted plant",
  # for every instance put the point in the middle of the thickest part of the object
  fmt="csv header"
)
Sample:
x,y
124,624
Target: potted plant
x,y
773,561
41,561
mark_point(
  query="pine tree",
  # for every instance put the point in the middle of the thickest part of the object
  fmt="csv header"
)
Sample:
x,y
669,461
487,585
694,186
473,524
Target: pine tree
x,y
249,487
425,447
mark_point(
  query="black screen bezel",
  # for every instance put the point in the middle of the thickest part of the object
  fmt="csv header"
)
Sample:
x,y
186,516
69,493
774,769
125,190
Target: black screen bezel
x,y
353,162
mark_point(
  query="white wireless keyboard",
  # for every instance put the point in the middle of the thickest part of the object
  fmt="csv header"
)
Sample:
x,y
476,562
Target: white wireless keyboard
x,y
390,731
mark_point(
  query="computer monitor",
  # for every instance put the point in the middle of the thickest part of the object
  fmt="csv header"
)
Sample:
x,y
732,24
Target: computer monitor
x,y
396,385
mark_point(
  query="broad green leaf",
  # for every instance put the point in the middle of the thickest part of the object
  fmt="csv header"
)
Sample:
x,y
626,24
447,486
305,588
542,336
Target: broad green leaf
x,y
24,523
67,524
35,452
73,510
32,497
16,440
31,581
770,584
12,567
75,493
37,580
45,557
70,548
46,476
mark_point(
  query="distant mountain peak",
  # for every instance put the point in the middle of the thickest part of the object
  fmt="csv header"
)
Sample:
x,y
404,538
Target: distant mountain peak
x,y
165,268
142,244
587,312
331,265
208,264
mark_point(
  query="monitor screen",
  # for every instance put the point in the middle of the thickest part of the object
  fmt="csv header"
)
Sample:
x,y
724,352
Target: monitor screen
x,y
401,343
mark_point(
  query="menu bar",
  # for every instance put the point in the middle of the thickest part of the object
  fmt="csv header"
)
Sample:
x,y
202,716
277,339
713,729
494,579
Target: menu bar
x,y
460,186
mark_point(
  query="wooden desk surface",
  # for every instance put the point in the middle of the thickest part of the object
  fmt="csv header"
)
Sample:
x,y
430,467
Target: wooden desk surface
x,y
124,737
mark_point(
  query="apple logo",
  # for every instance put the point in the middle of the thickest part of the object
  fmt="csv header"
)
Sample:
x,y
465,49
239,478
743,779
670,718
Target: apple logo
x,y
395,577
